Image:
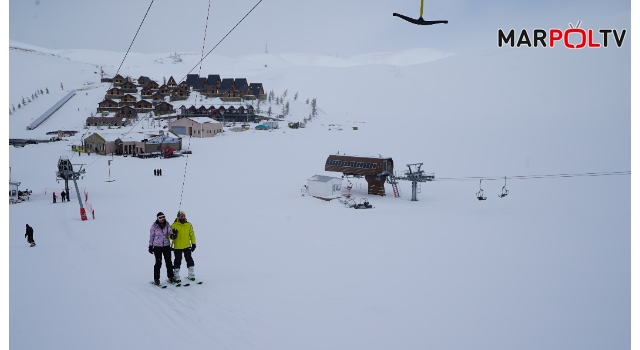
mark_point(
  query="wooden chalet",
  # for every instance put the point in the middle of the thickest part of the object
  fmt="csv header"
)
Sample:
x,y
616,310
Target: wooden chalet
x,y
183,85
129,88
157,98
258,90
227,85
192,79
127,100
202,82
203,110
179,94
146,93
172,83
127,112
210,90
152,85
164,108
244,91
164,90
107,121
114,93
143,80
214,79
143,106
374,169
107,105
118,80
240,82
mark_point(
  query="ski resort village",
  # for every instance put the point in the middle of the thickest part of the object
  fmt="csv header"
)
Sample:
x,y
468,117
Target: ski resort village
x,y
222,193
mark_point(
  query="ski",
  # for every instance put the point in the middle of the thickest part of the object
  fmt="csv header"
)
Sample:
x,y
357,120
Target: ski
x,y
194,281
158,285
178,284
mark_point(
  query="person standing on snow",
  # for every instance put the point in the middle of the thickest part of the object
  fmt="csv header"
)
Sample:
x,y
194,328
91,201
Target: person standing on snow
x,y
184,242
159,245
62,195
29,235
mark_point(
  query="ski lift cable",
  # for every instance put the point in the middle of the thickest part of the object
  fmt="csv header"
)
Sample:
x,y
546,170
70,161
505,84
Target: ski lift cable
x,y
125,57
527,177
134,39
234,27
186,162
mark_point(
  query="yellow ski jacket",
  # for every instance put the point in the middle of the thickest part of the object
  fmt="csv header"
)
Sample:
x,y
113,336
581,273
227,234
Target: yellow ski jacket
x,y
186,236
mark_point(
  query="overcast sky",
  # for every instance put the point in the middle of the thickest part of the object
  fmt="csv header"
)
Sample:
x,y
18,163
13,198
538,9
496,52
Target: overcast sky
x,y
332,27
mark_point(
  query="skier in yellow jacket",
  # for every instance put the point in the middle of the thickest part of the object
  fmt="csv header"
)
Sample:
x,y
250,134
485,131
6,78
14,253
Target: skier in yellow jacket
x,y
184,242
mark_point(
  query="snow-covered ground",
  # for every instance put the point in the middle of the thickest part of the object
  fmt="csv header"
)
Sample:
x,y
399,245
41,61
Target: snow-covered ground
x,y
546,267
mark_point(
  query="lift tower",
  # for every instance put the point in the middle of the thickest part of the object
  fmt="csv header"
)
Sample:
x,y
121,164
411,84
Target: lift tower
x,y
65,172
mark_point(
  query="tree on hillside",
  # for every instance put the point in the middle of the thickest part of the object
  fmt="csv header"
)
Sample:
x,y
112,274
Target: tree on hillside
x,y
46,89
269,111
13,107
164,80
61,87
19,106
286,108
284,94
295,97
23,101
314,109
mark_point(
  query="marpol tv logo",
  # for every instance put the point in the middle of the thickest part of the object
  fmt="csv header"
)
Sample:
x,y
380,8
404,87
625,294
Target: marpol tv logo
x,y
571,38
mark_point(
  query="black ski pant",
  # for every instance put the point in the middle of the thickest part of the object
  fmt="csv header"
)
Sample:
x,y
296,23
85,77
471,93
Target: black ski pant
x,y
178,257
160,252
30,238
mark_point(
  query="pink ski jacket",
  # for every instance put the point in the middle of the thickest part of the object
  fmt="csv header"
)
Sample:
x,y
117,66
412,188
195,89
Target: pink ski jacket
x,y
159,237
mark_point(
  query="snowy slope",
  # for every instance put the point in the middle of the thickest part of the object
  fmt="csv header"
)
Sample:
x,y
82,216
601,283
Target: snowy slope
x,y
547,267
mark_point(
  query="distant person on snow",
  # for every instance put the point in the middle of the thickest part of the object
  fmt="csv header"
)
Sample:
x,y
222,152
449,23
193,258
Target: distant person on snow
x,y
184,242
54,197
155,172
29,236
159,245
63,195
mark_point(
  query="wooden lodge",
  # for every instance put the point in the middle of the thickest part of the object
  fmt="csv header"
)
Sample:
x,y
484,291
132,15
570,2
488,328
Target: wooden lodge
x,y
107,121
143,106
129,88
127,112
374,169
146,93
152,85
118,80
164,90
164,108
114,93
179,94
157,98
127,100
108,105
183,85
172,83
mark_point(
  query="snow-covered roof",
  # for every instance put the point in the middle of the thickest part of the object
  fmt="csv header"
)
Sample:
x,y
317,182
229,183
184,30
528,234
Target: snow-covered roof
x,y
202,120
322,178
132,136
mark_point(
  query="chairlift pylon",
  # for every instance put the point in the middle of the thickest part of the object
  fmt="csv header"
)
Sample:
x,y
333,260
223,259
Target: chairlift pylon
x,y
480,194
505,191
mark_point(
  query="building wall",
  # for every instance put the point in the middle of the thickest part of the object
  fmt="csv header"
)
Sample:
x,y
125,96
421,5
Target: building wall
x,y
198,130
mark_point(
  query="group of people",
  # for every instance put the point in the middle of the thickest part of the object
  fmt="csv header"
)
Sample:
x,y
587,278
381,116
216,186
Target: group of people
x,y
177,237
64,196
157,172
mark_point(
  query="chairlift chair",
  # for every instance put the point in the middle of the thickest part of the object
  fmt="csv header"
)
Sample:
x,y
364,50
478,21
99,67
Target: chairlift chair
x,y
505,191
480,194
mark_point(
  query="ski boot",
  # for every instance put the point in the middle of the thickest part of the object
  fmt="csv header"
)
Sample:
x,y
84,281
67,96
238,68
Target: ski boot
x,y
192,275
176,276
